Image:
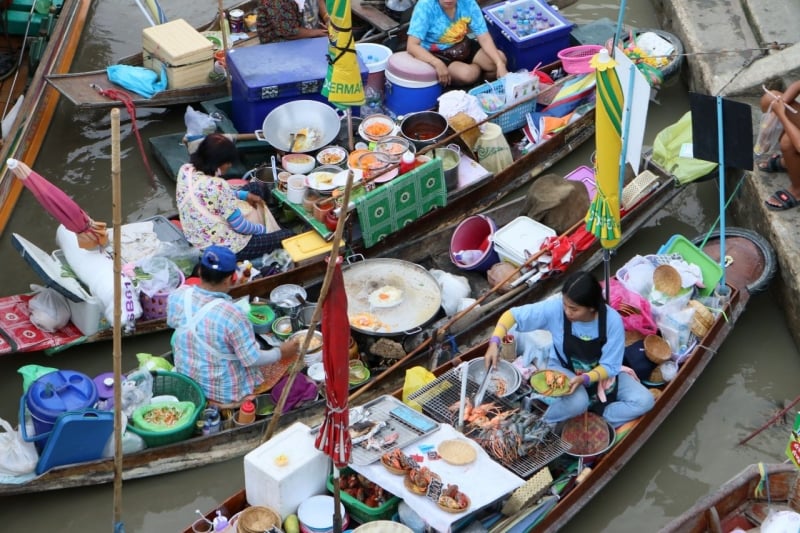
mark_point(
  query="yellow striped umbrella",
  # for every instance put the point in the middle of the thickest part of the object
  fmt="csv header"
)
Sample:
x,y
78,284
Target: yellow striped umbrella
x,y
342,85
602,219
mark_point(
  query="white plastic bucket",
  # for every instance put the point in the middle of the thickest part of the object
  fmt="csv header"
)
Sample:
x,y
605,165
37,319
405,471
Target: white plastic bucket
x,y
375,57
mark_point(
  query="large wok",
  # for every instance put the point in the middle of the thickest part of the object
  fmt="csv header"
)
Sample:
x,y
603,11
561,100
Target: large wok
x,y
290,118
420,302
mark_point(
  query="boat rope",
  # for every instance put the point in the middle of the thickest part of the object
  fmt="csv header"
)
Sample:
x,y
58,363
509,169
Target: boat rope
x,y
118,95
719,217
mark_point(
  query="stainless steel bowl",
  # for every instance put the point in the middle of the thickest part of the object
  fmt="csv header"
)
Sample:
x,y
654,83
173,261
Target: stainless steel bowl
x,y
505,370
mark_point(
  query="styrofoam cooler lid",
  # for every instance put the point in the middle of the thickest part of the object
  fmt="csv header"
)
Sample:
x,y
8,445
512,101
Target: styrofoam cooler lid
x,y
404,65
317,512
47,268
374,55
522,234
58,392
408,84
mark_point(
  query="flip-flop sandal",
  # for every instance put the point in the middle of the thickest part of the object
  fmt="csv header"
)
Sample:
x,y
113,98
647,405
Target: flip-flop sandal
x,y
784,200
773,164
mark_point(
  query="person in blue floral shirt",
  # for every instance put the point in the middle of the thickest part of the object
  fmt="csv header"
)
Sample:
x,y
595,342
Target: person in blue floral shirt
x,y
439,35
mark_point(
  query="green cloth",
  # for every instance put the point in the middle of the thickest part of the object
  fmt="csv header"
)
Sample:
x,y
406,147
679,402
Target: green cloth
x,y
393,205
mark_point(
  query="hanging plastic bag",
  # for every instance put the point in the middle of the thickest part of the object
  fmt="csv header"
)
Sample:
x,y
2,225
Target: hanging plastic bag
x,y
49,310
140,80
137,390
416,378
31,373
669,152
769,134
17,457
157,275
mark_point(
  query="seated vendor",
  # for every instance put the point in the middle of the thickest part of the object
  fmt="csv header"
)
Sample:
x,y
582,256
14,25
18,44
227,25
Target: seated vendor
x,y
437,35
588,346
214,343
282,20
212,212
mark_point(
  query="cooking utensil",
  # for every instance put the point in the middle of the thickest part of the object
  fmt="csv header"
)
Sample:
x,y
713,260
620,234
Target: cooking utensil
x,y
274,169
421,295
319,120
478,399
297,140
504,371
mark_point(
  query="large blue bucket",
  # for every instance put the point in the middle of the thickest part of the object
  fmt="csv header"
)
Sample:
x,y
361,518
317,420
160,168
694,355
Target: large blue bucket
x,y
471,244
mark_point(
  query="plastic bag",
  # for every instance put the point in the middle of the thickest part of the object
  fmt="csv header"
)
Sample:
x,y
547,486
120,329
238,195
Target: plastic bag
x,y
643,320
183,254
416,378
17,457
137,390
152,362
31,373
780,521
769,134
454,288
198,123
140,80
49,309
667,148
158,275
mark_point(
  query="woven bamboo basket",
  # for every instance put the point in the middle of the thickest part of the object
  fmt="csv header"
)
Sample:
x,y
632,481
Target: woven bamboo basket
x,y
667,280
257,519
657,349
702,320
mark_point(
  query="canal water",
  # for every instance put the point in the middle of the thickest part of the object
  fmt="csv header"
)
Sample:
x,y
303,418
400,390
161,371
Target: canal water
x,y
693,452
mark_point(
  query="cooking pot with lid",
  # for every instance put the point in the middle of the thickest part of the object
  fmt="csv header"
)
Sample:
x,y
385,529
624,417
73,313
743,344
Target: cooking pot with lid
x,y
414,296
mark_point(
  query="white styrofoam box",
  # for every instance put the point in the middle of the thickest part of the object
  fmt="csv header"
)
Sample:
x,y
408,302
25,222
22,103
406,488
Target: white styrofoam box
x,y
283,488
87,315
520,238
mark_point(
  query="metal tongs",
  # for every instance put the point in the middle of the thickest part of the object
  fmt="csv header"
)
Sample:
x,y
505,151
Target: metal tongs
x,y
478,398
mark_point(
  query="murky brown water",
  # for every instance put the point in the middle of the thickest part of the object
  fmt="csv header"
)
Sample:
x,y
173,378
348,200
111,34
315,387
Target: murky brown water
x,y
693,452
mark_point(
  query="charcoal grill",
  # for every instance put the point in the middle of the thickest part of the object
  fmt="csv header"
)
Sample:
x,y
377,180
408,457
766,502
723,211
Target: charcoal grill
x,y
439,395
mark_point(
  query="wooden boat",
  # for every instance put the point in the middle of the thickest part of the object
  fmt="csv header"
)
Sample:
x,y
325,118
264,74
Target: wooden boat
x,y
26,134
234,442
741,503
463,202
81,88
549,512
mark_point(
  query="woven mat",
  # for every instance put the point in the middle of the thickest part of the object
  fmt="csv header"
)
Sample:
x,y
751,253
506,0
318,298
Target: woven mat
x,y
390,207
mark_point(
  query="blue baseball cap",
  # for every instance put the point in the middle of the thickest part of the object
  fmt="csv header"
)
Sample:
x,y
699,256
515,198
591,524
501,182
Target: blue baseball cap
x,y
219,258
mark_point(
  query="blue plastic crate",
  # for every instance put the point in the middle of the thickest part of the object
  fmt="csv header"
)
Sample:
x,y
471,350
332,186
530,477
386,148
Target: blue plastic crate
x,y
514,119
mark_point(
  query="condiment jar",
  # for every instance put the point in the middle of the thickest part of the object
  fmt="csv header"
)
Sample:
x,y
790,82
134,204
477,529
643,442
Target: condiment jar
x,y
407,162
247,412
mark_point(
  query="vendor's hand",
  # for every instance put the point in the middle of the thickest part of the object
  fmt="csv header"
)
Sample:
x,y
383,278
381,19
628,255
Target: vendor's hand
x,y
574,383
501,70
254,199
442,72
490,359
289,349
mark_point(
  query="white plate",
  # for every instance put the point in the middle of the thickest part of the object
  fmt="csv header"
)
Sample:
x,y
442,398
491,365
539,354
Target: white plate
x,y
317,372
314,183
337,151
340,179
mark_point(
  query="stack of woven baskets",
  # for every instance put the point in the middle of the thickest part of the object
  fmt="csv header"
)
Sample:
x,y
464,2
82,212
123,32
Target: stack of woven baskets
x,y
257,519
702,320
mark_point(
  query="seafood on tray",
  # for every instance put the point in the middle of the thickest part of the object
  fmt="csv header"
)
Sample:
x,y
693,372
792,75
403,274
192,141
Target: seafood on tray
x,y
453,500
486,415
364,490
398,462
363,430
418,479
550,383
516,437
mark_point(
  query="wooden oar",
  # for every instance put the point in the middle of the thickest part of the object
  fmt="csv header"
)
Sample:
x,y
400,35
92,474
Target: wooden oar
x,y
440,332
771,421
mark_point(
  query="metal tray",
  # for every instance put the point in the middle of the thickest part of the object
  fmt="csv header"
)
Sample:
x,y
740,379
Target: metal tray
x,y
393,412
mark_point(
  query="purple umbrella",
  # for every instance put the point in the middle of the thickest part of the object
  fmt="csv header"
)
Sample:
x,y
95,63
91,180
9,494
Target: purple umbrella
x,y
63,208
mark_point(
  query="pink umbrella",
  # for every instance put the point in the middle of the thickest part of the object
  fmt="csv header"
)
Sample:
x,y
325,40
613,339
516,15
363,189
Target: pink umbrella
x,y
63,208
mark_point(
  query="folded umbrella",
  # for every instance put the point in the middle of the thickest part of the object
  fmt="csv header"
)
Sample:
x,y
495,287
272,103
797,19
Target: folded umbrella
x,y
63,208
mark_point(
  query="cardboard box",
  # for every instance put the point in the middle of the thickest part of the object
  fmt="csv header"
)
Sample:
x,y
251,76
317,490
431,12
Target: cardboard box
x,y
265,76
186,54
284,488
525,50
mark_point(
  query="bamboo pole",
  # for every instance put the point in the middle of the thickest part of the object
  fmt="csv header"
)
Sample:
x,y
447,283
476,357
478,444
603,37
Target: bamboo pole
x,y
440,332
771,421
223,28
298,364
116,202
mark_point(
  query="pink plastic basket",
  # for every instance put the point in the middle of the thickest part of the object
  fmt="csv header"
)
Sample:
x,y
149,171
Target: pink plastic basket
x,y
155,307
575,59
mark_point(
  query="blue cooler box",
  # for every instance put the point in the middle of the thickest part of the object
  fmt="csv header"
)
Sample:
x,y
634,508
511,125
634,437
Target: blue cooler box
x,y
268,75
523,46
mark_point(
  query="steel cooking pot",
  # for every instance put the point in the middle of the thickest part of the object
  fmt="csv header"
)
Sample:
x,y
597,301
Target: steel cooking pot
x,y
285,298
424,128
419,301
320,121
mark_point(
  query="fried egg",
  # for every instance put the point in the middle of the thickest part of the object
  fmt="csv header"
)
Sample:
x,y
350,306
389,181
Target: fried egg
x,y
386,296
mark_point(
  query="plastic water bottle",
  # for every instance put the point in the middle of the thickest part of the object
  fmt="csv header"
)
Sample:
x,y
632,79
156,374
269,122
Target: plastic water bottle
x,y
372,102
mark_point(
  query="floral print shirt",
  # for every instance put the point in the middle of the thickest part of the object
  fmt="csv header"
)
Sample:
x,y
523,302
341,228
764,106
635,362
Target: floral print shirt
x,y
436,31
278,20
205,218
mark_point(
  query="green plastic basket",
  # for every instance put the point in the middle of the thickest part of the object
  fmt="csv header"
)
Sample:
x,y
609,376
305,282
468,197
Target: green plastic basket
x,y
362,513
186,390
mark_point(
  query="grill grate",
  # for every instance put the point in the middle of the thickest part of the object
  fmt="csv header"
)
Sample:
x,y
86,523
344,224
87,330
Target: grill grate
x,y
437,398
399,418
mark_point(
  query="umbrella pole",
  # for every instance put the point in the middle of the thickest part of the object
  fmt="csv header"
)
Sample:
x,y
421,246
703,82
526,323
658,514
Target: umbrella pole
x,y
722,289
297,366
222,30
337,499
350,144
117,342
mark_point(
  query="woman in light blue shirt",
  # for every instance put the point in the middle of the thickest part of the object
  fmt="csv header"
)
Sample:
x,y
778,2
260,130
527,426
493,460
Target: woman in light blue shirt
x,y
438,35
